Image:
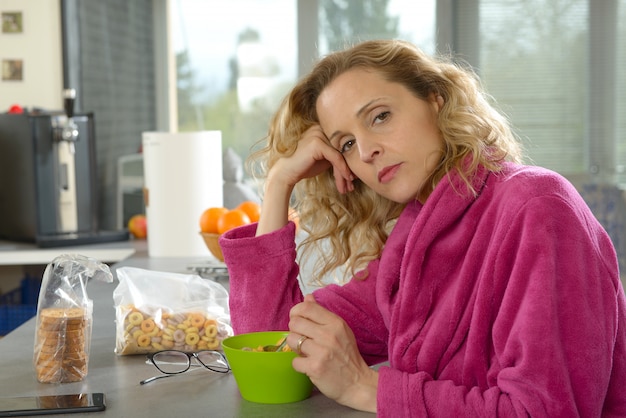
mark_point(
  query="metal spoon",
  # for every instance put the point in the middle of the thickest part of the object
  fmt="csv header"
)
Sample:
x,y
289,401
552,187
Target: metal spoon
x,y
274,348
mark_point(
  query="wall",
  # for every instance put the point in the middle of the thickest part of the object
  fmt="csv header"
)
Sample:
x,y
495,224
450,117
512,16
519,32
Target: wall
x,y
39,46
112,65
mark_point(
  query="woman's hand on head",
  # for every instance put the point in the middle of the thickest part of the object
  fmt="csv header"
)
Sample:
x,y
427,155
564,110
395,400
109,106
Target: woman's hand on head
x,y
313,156
330,357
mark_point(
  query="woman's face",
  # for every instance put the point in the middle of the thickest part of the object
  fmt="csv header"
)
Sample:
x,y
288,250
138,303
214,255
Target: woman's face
x,y
388,136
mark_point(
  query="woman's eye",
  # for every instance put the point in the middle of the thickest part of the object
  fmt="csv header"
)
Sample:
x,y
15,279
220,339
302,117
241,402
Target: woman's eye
x,y
381,117
345,147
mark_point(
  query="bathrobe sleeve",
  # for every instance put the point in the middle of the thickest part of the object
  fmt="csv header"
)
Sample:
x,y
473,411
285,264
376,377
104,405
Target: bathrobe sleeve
x,y
263,278
264,286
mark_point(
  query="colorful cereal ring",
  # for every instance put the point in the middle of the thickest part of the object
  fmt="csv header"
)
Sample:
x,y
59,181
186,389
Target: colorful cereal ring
x,y
147,325
211,331
192,339
135,318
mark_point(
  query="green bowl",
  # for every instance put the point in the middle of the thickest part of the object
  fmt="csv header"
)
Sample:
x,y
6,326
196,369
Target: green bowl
x,y
264,377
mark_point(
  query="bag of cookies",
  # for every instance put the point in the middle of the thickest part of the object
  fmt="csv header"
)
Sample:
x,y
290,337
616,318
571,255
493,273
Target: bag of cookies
x,y
64,318
157,311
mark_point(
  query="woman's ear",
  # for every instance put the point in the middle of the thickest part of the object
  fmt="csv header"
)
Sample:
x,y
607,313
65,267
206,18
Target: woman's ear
x,y
440,101
437,100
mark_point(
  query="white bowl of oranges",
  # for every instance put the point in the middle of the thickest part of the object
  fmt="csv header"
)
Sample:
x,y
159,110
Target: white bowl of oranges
x,y
214,221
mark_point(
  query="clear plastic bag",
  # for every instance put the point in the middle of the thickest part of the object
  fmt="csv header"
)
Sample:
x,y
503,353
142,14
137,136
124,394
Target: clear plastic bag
x,y
64,318
157,311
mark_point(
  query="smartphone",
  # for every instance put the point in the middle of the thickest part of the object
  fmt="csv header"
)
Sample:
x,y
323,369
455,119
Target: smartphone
x,y
51,404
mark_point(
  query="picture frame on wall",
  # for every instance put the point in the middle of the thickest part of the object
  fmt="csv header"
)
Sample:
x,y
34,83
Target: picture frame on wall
x,y
12,22
12,70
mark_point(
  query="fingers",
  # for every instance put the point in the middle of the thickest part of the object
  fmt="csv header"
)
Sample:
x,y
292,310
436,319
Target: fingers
x,y
312,320
311,311
329,355
313,156
304,327
301,341
303,323
341,172
344,185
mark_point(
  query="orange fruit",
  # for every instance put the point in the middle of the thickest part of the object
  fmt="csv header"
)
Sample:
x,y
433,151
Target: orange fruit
x,y
232,219
209,218
252,209
138,226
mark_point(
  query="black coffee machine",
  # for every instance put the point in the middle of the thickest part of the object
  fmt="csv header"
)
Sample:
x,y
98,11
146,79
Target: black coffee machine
x,y
48,179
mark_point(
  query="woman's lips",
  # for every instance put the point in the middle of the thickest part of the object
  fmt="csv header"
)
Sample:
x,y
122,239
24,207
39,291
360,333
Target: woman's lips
x,y
387,174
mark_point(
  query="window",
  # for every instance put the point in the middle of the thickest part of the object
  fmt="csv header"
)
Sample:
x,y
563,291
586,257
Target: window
x,y
532,59
555,67
236,60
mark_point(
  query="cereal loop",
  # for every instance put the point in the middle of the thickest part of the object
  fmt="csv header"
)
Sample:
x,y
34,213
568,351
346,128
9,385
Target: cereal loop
x,y
196,320
147,325
192,330
143,340
192,339
211,331
179,335
135,318
167,343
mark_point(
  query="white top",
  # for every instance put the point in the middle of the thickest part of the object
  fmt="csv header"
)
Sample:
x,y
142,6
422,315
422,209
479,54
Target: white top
x,y
16,254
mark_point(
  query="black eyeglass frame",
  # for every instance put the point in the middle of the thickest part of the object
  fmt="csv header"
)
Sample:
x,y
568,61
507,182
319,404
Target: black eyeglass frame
x,y
191,355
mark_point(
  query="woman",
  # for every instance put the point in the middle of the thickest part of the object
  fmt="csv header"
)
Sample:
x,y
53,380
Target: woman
x,y
488,286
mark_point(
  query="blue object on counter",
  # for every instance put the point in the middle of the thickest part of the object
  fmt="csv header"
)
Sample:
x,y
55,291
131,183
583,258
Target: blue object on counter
x,y
19,305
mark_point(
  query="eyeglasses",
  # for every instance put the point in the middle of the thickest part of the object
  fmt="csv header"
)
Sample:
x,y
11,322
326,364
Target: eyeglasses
x,y
173,362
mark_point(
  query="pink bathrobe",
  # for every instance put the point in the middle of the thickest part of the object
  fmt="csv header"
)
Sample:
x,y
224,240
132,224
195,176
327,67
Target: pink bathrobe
x,y
504,305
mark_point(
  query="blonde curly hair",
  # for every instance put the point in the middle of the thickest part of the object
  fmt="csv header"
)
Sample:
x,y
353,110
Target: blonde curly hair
x,y
350,230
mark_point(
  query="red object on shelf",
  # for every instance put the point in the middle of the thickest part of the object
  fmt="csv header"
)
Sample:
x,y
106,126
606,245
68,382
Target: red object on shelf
x,y
16,109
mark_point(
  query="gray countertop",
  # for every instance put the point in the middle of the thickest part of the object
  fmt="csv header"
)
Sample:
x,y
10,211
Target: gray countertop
x,y
199,393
